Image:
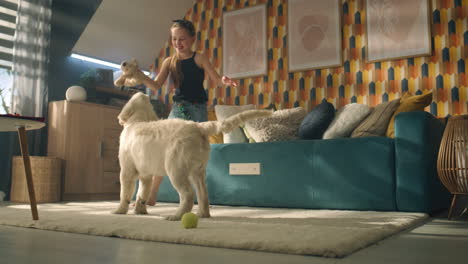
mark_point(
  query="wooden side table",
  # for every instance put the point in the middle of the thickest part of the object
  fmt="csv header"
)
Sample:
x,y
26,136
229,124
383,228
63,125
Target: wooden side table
x,y
21,124
452,163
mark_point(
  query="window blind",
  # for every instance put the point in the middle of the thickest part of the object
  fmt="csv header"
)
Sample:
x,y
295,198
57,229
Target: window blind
x,y
8,11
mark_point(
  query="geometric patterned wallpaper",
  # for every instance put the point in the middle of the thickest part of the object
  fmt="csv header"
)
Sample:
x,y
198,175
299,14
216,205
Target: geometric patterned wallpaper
x,y
445,72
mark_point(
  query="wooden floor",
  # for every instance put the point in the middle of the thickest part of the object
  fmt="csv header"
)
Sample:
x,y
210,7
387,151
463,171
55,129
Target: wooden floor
x,y
437,241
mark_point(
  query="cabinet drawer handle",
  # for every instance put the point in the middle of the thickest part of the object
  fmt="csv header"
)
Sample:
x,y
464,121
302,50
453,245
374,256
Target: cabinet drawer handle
x,y
100,146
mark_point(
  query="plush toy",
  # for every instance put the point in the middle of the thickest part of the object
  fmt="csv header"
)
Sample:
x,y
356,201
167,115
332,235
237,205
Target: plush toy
x,y
131,75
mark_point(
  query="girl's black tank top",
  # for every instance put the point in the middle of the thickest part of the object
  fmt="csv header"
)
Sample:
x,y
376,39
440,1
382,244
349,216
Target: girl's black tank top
x,y
191,88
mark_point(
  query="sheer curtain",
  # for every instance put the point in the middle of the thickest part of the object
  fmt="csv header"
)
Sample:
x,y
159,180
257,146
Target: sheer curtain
x,y
30,67
29,93
30,57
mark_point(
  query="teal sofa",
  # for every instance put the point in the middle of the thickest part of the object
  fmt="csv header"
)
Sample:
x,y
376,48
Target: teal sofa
x,y
373,173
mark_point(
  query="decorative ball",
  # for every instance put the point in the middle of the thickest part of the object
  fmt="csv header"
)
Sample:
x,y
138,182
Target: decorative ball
x,y
189,220
75,93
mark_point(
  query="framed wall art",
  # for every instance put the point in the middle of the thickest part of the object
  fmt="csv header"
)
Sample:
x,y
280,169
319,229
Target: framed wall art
x,y
314,34
245,42
397,29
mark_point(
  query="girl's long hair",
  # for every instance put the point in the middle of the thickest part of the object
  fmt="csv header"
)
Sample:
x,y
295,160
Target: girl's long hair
x,y
174,67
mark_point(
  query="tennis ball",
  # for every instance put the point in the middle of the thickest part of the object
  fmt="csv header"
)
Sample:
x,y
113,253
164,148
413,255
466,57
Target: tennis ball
x,y
189,220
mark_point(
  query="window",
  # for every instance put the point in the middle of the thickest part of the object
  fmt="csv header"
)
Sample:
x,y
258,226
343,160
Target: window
x,y
8,11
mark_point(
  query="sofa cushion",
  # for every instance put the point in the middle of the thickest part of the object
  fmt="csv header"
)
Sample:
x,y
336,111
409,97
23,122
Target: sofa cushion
x,y
282,125
375,125
225,111
346,120
319,174
317,121
409,103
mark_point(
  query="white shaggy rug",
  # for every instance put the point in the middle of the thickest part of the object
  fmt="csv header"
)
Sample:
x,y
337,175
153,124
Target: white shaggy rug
x,y
328,233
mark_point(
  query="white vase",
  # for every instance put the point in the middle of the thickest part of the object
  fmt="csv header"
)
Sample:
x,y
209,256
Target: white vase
x,y
76,93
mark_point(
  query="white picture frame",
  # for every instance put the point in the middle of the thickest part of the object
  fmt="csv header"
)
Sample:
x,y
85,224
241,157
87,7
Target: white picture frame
x,y
314,34
397,29
245,42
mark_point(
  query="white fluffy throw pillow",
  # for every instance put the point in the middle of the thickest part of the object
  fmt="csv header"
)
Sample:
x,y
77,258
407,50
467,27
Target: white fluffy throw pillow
x,y
224,111
346,120
283,125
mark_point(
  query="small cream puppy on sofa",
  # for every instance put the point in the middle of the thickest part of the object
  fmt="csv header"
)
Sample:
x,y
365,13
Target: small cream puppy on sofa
x,y
173,147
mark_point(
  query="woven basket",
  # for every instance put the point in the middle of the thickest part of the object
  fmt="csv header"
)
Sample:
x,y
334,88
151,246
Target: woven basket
x,y
46,173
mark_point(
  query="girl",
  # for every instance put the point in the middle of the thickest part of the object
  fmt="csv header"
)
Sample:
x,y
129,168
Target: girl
x,y
187,70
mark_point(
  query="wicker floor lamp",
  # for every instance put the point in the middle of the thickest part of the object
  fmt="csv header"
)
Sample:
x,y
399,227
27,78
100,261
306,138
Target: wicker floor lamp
x,y
452,163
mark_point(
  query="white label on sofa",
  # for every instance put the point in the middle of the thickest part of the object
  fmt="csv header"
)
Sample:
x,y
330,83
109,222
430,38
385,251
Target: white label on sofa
x,y
244,168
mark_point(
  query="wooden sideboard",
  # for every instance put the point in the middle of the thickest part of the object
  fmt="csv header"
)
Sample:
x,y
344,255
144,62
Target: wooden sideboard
x,y
86,137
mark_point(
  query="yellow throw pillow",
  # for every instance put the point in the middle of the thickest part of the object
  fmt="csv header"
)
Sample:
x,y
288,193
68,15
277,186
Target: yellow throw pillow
x,y
409,103
214,139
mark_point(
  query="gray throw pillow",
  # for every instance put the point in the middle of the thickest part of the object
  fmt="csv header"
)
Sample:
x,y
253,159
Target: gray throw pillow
x,y
346,120
375,125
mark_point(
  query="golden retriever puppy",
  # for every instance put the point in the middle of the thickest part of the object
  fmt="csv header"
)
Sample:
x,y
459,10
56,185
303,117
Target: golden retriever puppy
x,y
173,147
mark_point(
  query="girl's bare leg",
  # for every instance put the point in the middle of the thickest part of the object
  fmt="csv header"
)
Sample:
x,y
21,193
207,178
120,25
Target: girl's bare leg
x,y
154,190
156,182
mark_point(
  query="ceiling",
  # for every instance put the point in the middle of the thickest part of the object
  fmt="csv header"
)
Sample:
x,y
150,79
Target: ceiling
x,y
123,29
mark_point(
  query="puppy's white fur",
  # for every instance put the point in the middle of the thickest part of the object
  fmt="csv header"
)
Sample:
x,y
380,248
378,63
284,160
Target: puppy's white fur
x,y
173,147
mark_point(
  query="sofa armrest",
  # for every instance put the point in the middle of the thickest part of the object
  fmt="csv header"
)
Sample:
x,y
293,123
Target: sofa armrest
x,y
417,139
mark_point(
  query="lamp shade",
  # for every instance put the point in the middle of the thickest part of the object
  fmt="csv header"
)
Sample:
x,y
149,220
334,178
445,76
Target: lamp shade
x,y
75,93
452,163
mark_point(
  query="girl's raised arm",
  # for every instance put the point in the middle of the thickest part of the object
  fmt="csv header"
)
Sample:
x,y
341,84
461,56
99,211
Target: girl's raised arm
x,y
210,70
160,78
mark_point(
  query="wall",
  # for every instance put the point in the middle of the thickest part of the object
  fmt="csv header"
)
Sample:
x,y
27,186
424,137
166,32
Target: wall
x,y
69,19
125,29
356,81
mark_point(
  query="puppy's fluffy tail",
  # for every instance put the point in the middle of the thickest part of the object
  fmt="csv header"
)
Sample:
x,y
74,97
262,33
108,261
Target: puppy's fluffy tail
x,y
227,125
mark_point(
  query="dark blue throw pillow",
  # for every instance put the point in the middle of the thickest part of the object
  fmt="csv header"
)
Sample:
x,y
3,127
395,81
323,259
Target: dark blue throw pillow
x,y
317,121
